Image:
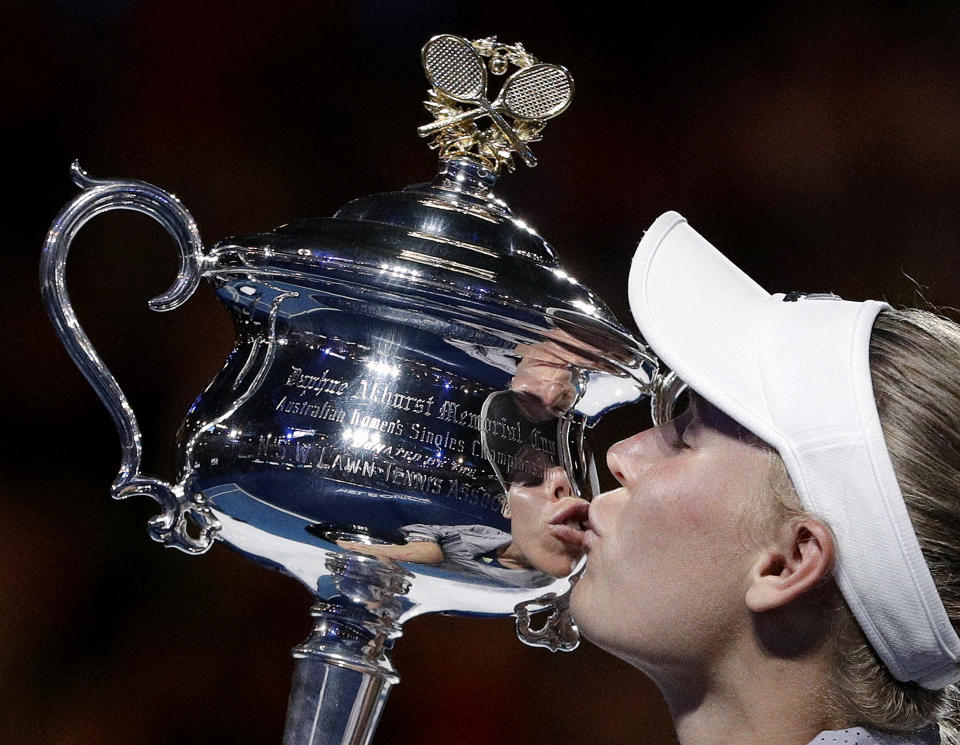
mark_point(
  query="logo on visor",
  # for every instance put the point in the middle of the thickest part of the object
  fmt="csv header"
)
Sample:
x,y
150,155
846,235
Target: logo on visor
x,y
792,297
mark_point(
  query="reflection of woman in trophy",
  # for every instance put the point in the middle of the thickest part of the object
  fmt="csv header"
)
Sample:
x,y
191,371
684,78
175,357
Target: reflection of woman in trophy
x,y
783,558
546,535
465,550
546,516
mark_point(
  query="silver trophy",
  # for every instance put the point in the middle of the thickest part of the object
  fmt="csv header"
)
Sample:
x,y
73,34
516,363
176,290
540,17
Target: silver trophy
x,y
401,424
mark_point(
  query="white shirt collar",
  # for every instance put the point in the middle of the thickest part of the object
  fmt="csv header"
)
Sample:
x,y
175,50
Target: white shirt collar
x,y
860,736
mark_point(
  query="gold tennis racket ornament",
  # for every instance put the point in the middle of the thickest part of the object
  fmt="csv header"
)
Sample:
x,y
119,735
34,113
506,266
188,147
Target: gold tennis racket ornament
x,y
532,94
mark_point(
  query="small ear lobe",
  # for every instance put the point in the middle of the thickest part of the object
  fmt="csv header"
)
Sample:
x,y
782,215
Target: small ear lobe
x,y
799,560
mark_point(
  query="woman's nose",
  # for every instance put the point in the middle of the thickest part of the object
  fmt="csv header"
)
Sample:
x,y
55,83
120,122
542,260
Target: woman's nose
x,y
558,484
625,456
616,461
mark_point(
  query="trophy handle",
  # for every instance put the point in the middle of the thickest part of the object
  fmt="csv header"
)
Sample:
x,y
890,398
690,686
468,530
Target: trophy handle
x,y
559,631
170,527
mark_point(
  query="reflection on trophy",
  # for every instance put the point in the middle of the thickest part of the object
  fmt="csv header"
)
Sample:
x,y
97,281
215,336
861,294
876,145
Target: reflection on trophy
x,y
401,424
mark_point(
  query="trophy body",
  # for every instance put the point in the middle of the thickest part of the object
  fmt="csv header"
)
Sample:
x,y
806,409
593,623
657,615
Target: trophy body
x,y
352,403
407,398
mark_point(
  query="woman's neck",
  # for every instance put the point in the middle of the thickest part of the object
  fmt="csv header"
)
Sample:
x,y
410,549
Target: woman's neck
x,y
750,697
512,558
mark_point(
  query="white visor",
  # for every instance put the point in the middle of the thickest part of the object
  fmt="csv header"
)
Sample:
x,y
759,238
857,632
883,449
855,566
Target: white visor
x,y
795,371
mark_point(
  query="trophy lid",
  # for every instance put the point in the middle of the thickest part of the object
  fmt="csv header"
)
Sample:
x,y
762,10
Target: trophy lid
x,y
452,235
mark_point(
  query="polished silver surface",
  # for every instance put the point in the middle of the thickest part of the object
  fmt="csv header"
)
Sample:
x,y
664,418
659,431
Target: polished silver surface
x,y
402,422
404,372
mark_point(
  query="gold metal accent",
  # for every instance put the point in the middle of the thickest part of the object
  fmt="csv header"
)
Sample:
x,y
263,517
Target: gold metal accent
x,y
457,71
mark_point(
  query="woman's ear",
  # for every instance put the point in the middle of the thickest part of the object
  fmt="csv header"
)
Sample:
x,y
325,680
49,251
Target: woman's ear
x,y
799,560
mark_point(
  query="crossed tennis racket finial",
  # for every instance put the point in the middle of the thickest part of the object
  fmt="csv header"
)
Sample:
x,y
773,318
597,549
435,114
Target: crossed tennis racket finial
x,y
533,93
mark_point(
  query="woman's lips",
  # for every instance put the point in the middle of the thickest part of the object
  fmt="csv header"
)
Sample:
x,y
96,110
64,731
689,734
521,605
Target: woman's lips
x,y
590,534
569,523
568,534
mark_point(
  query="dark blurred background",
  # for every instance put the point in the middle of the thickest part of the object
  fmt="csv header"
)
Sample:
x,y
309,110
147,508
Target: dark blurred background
x,y
818,145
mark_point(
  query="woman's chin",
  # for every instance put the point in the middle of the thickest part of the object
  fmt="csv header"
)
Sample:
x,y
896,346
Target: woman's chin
x,y
550,556
581,607
555,566
592,614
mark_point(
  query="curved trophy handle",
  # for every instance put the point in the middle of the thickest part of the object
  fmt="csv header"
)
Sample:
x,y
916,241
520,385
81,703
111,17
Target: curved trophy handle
x,y
170,527
559,631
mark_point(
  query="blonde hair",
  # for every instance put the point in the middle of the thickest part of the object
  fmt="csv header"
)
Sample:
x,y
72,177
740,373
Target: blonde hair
x,y
915,368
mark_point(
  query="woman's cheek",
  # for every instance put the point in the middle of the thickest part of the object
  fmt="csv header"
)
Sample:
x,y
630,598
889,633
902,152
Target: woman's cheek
x,y
659,513
693,502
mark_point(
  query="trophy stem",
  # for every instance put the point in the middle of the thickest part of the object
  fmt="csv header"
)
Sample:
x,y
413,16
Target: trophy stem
x,y
333,705
343,673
